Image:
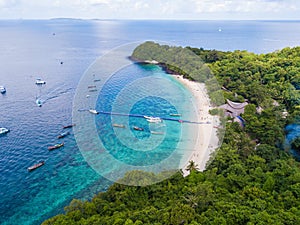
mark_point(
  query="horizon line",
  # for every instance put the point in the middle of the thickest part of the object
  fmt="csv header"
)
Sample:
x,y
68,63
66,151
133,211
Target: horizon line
x,y
145,19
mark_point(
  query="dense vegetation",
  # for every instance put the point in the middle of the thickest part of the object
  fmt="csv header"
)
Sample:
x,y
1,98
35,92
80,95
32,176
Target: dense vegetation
x,y
174,59
251,180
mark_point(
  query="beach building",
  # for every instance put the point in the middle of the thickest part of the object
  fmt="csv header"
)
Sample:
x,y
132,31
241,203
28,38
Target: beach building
x,y
234,110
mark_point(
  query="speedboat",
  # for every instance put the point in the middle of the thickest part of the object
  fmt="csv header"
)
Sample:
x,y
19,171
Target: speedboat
x,y
93,111
3,130
38,102
2,89
39,81
56,146
35,166
151,119
63,134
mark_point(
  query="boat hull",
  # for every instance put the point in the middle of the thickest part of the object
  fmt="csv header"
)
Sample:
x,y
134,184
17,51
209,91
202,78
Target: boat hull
x,y
31,168
63,135
4,130
138,128
2,90
118,125
93,111
69,126
50,148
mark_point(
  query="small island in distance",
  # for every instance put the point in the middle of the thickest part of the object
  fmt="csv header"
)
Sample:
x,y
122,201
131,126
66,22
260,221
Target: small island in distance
x,y
252,179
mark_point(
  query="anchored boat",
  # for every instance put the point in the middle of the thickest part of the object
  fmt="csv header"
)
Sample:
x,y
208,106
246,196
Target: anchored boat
x,y
156,132
138,128
2,90
118,125
56,146
39,81
35,166
152,119
69,126
175,114
63,134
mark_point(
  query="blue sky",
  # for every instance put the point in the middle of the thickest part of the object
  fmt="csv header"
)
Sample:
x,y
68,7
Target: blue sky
x,y
155,9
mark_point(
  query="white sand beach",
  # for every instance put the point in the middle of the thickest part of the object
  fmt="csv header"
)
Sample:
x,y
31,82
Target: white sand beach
x,y
207,140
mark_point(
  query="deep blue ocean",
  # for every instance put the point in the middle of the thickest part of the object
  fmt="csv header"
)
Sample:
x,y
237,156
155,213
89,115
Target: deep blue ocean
x,y
60,51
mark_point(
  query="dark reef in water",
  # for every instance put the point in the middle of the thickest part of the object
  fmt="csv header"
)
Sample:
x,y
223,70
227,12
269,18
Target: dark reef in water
x,y
293,138
296,144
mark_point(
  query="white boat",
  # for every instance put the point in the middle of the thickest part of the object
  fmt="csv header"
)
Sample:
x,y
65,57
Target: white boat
x,y
118,125
175,114
2,89
157,132
3,130
93,111
39,81
38,102
152,119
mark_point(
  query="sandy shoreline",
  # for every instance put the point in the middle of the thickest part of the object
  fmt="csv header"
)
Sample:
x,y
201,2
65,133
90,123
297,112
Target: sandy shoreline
x,y
207,140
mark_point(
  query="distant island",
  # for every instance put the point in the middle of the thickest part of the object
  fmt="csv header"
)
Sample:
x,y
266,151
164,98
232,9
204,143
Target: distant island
x,y
251,180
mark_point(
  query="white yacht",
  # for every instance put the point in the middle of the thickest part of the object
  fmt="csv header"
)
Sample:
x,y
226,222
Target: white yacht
x,y
39,81
2,89
38,102
93,111
152,119
3,130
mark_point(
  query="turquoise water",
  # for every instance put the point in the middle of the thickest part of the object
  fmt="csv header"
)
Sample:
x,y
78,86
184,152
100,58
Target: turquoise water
x,y
32,49
138,90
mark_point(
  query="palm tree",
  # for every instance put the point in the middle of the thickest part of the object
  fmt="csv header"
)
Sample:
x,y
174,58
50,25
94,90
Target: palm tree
x,y
192,166
192,200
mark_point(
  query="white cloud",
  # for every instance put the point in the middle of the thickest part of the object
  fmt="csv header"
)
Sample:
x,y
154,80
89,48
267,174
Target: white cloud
x,y
8,3
95,2
253,6
141,5
155,9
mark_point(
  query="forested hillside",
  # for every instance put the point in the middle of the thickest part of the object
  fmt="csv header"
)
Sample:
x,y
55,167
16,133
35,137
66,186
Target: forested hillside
x,y
252,179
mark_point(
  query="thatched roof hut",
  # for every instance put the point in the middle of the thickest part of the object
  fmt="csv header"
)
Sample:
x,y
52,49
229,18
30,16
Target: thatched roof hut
x,y
234,109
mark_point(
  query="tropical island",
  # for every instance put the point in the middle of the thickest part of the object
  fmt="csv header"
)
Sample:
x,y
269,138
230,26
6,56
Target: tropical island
x,y
252,178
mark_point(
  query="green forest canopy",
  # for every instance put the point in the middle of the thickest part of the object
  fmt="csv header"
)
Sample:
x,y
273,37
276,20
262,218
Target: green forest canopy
x,y
247,182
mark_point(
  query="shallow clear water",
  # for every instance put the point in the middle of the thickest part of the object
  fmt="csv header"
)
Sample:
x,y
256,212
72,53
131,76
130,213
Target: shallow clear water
x,y
32,49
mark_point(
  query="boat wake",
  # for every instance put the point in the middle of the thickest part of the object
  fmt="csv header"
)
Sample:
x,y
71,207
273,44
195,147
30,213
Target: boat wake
x,y
52,94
